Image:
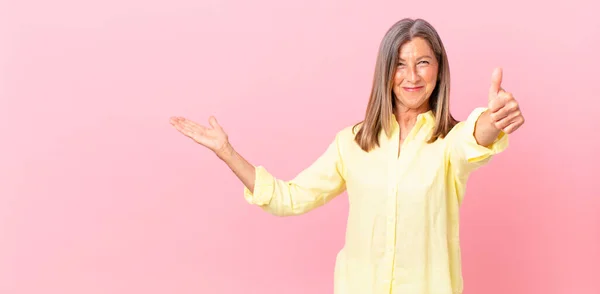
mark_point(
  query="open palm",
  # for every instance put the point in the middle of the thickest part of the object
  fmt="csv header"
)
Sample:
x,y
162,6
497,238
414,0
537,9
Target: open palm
x,y
213,137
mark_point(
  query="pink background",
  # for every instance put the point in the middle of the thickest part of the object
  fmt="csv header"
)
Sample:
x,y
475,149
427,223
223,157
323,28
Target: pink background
x,y
99,194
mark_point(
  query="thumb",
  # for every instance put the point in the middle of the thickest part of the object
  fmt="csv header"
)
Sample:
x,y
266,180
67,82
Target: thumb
x,y
213,122
496,81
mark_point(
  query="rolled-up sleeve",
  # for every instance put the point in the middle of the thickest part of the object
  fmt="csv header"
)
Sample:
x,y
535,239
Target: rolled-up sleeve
x,y
464,153
311,188
263,187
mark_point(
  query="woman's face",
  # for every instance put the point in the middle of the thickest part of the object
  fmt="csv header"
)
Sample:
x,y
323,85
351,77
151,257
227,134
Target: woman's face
x,y
415,76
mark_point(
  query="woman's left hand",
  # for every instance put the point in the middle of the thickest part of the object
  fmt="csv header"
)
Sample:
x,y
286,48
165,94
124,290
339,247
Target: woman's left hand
x,y
505,112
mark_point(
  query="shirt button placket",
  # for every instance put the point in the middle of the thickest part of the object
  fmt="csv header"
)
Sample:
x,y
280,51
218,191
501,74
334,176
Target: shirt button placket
x,y
391,244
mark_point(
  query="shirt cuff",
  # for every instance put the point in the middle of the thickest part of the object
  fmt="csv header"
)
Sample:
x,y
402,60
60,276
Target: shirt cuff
x,y
263,188
475,152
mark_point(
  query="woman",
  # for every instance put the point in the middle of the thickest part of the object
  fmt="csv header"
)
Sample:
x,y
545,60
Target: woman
x,y
405,168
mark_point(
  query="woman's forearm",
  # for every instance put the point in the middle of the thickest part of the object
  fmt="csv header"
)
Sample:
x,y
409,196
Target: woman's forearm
x,y
245,171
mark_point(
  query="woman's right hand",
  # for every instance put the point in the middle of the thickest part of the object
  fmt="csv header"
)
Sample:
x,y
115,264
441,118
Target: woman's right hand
x,y
213,137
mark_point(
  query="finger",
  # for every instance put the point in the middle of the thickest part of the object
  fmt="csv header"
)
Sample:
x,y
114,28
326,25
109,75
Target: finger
x,y
184,129
515,125
496,81
177,125
507,120
192,125
178,120
213,122
503,105
500,116
175,119
496,104
196,130
188,127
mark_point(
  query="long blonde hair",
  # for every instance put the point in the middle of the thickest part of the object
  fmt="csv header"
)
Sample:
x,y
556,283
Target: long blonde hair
x,y
382,101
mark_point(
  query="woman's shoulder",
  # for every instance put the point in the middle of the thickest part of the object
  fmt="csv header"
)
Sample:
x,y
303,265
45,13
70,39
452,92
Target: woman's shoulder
x,y
469,123
347,133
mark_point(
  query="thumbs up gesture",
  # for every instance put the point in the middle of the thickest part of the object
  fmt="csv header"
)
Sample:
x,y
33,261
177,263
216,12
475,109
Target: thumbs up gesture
x,y
504,110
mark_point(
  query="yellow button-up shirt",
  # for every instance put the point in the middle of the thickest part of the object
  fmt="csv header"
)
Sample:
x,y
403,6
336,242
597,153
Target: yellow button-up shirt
x,y
402,233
